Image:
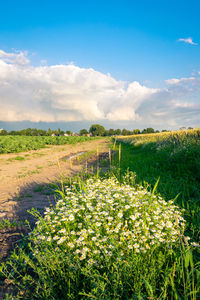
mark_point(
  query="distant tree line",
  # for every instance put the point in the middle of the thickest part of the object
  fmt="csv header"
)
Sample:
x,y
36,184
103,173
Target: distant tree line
x,y
99,130
36,132
95,130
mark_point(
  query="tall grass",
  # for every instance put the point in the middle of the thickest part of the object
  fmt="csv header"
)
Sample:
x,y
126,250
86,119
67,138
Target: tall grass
x,y
175,158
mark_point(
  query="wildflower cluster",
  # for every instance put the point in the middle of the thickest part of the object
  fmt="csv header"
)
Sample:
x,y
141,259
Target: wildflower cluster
x,y
105,221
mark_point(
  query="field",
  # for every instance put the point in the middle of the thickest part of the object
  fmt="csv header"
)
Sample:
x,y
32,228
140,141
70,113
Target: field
x,y
15,144
174,158
130,233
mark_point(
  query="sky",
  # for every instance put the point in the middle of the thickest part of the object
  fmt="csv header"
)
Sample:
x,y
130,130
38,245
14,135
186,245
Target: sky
x,y
70,64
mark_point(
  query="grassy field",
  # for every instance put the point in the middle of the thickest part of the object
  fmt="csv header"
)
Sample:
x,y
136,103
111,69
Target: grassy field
x,y
120,235
174,158
15,144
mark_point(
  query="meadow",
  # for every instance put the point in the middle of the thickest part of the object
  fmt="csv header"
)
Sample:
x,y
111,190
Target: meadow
x,y
16,144
174,159
130,233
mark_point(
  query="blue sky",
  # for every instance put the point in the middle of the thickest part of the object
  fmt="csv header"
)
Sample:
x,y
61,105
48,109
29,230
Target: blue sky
x,y
131,40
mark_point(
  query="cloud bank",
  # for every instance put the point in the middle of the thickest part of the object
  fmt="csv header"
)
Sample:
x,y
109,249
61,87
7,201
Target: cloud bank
x,y
67,93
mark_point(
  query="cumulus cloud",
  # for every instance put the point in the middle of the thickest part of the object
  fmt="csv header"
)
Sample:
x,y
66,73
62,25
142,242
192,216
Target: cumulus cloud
x,y
187,41
66,93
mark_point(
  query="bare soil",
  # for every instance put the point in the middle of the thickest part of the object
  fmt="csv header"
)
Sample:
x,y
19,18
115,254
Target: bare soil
x,y
25,179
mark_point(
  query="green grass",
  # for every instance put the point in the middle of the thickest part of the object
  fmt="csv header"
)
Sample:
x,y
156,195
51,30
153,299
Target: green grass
x,y
16,158
178,173
15,144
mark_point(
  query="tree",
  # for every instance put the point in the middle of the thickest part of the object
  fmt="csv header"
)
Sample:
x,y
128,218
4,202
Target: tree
x,y
59,132
83,132
118,131
49,132
148,130
68,132
136,131
106,133
97,130
3,132
14,132
124,131
111,132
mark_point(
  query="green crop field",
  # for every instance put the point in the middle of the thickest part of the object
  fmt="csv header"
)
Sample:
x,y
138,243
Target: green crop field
x,y
132,233
15,144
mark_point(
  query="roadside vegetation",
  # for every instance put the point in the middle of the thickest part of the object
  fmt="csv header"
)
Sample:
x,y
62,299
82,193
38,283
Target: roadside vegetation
x,y
130,233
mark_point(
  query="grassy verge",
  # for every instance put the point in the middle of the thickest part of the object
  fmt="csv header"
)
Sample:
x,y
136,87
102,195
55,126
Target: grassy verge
x,y
178,172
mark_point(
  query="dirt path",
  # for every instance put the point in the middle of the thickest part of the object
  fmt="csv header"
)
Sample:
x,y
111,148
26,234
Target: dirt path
x,y
23,175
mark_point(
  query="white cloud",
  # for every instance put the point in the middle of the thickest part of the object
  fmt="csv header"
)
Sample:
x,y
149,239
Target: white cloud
x,y
181,80
64,93
172,81
176,103
19,57
122,113
70,93
187,41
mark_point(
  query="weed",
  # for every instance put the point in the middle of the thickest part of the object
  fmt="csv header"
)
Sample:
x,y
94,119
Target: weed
x,y
5,223
16,158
